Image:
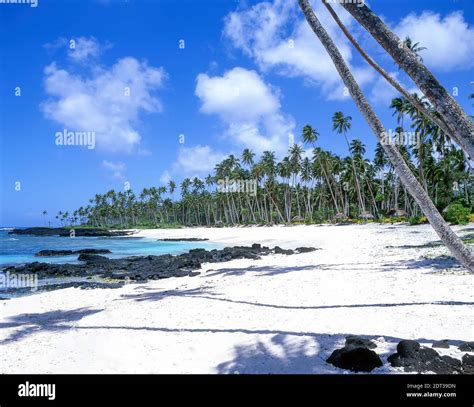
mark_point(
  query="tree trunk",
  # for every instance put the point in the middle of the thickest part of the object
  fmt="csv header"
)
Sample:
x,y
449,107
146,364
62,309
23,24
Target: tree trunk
x,y
418,106
446,106
451,240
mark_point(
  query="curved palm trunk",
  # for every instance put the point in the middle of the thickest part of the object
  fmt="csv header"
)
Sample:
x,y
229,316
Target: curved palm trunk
x,y
451,240
359,194
446,106
418,106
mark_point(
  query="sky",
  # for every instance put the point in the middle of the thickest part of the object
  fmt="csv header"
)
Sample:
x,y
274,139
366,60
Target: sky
x,y
165,89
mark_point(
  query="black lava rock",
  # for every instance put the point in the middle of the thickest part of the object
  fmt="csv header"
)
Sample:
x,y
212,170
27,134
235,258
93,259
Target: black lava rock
x,y
467,347
92,251
305,249
444,344
468,364
355,359
353,341
51,253
142,268
414,358
92,258
279,250
408,348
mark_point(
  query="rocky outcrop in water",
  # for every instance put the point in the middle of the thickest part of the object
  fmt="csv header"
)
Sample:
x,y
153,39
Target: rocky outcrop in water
x,y
141,268
66,232
53,253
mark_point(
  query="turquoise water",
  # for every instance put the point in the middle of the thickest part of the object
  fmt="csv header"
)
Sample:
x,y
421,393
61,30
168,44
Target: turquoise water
x,y
19,249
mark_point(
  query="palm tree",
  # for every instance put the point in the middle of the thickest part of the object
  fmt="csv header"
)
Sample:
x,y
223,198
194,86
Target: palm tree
x,y
452,241
59,217
380,162
444,172
342,124
44,216
310,136
396,85
296,153
171,187
247,157
451,112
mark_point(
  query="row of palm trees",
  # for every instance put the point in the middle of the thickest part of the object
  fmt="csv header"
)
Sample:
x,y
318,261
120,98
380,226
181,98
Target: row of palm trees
x,y
307,185
294,185
447,114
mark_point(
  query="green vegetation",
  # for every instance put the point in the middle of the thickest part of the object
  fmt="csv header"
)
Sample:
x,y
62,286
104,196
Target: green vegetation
x,y
313,186
458,214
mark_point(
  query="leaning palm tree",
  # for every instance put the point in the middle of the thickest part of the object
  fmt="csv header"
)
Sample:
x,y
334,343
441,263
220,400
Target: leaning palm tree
x,y
395,84
451,112
452,241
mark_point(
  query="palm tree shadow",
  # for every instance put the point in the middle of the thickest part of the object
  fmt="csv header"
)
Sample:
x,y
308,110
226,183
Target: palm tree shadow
x,y
437,263
280,355
441,262
150,294
260,271
52,321
286,353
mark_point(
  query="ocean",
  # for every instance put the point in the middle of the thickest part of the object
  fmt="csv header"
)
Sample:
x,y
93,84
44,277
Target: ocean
x,y
21,249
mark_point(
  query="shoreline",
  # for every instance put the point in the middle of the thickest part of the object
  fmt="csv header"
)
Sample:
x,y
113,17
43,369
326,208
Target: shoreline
x,y
278,314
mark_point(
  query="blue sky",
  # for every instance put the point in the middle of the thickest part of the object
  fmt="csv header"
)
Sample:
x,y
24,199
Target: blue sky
x,y
250,74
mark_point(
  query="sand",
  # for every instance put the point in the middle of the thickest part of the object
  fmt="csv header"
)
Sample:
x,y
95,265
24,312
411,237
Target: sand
x,y
280,314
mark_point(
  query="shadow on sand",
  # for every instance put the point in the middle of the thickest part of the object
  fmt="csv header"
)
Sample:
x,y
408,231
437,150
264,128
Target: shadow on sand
x,y
267,350
149,294
52,321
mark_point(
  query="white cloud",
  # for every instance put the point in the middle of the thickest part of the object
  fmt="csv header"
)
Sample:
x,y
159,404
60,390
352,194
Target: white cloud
x,y
116,169
277,37
79,49
449,40
84,48
198,160
248,107
100,102
165,177
382,92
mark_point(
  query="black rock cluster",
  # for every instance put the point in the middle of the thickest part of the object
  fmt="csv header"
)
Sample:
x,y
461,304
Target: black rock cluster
x,y
141,268
357,356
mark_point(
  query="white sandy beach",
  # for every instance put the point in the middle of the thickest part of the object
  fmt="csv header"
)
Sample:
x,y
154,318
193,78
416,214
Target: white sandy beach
x,y
280,314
